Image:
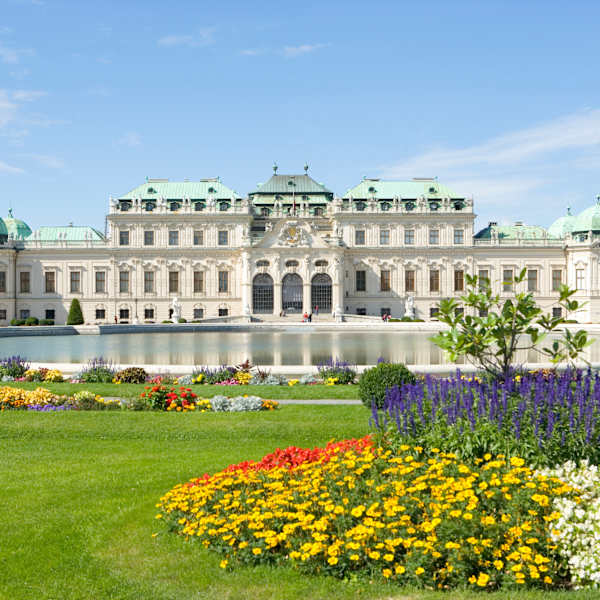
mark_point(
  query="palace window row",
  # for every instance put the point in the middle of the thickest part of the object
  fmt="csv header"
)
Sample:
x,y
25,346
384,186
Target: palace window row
x,y
360,237
174,237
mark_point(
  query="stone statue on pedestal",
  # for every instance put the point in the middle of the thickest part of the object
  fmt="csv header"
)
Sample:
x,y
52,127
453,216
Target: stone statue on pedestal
x,y
176,310
409,310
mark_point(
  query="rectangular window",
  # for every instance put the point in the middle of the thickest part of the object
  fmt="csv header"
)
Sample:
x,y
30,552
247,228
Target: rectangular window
x,y
483,278
223,238
507,280
223,282
50,314
173,282
557,312
198,282
50,282
24,313
75,282
2,281
173,238
100,282
434,237
124,314
459,280
532,280
359,237
199,238
556,279
386,283
223,312
148,314
409,237
434,280
198,313
148,282
580,279
459,236
433,312
100,313
384,237
25,282
123,282
361,281
148,237
361,311
2,314
124,237
409,281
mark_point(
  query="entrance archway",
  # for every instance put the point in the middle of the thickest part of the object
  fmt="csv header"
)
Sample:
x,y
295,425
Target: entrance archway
x,y
320,292
291,293
262,294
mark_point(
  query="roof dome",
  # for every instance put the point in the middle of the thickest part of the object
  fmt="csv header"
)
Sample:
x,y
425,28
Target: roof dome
x,y
563,225
511,232
588,220
19,230
3,230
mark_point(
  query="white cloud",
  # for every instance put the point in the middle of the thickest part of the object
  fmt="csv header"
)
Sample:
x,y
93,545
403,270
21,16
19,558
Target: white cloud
x,y
252,52
204,37
131,139
11,56
294,51
10,170
27,95
45,160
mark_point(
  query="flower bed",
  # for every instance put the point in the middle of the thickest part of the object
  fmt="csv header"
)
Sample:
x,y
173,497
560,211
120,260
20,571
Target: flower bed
x,y
420,519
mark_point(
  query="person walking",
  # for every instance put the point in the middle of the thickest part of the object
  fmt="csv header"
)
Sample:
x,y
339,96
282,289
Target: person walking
x,y
317,310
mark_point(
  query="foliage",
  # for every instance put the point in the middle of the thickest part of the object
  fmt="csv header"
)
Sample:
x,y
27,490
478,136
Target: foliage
x,y
236,404
576,531
517,323
85,400
32,321
374,382
132,375
53,376
547,420
17,322
98,370
427,520
15,398
337,369
219,375
13,366
46,321
75,316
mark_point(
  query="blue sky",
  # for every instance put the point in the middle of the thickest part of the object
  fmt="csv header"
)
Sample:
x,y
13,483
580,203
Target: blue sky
x,y
498,99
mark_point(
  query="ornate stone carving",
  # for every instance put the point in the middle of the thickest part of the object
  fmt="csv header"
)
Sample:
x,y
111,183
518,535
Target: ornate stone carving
x,y
293,235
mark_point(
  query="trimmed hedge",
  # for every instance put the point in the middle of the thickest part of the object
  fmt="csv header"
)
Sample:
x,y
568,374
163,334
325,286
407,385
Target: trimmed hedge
x,y
374,382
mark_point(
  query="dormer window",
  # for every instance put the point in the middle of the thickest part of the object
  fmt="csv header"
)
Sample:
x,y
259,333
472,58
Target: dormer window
x,y
385,206
264,211
223,206
458,205
151,190
361,206
198,206
149,206
173,206
211,190
409,205
432,190
433,206
124,205
372,190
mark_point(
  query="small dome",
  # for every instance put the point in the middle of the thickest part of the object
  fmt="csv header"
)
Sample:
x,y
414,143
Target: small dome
x,y
511,232
15,228
563,225
588,220
3,231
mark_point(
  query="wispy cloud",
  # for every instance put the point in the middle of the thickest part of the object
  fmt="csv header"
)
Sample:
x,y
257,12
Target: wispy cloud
x,y
11,56
252,52
28,95
508,168
294,51
9,169
203,37
130,139
46,160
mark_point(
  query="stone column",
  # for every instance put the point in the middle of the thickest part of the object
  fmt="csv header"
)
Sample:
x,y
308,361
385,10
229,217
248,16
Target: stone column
x,y
306,299
338,289
246,285
277,306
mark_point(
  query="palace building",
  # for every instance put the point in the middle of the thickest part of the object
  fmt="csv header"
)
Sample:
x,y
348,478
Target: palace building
x,y
394,247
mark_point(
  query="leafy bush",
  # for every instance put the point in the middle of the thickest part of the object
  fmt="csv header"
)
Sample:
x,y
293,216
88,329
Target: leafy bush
x,y
161,397
219,375
181,320
406,320
85,400
337,369
374,382
236,404
17,322
419,519
13,366
75,316
546,419
32,321
98,370
131,375
46,321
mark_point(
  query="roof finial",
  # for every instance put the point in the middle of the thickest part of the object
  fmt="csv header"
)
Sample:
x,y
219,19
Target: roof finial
x,y
10,213
306,168
569,211
598,199
275,167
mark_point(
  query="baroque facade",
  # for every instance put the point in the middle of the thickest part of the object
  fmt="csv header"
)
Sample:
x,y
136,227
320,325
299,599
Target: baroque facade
x,y
394,247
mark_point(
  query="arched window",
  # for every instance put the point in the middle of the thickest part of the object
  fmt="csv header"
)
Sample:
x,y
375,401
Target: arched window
x,y
223,206
361,206
320,293
262,293
458,205
434,206
265,211
124,205
291,263
291,293
409,206
372,190
149,206
318,211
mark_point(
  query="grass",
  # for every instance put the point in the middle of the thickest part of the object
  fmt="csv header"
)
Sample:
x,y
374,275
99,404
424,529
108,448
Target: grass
x,y
274,392
78,501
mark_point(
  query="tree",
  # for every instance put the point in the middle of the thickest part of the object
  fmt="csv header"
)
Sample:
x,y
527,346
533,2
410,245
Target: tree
x,y
75,314
499,328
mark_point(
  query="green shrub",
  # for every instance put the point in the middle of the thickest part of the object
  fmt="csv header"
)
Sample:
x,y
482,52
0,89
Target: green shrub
x,y
181,320
336,369
46,321
374,382
167,321
132,375
75,314
17,322
32,321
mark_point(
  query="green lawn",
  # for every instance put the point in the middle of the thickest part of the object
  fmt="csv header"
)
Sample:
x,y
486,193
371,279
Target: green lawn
x,y
275,392
78,492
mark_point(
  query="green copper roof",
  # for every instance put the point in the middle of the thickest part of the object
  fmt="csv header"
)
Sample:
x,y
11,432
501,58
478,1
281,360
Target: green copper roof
x,y
71,233
177,190
15,228
563,225
286,184
512,232
381,188
3,230
588,220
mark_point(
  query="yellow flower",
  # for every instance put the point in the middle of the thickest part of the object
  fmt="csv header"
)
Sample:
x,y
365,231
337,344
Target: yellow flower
x,y
332,560
387,573
483,579
223,564
256,550
419,571
515,461
293,382
354,557
498,564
